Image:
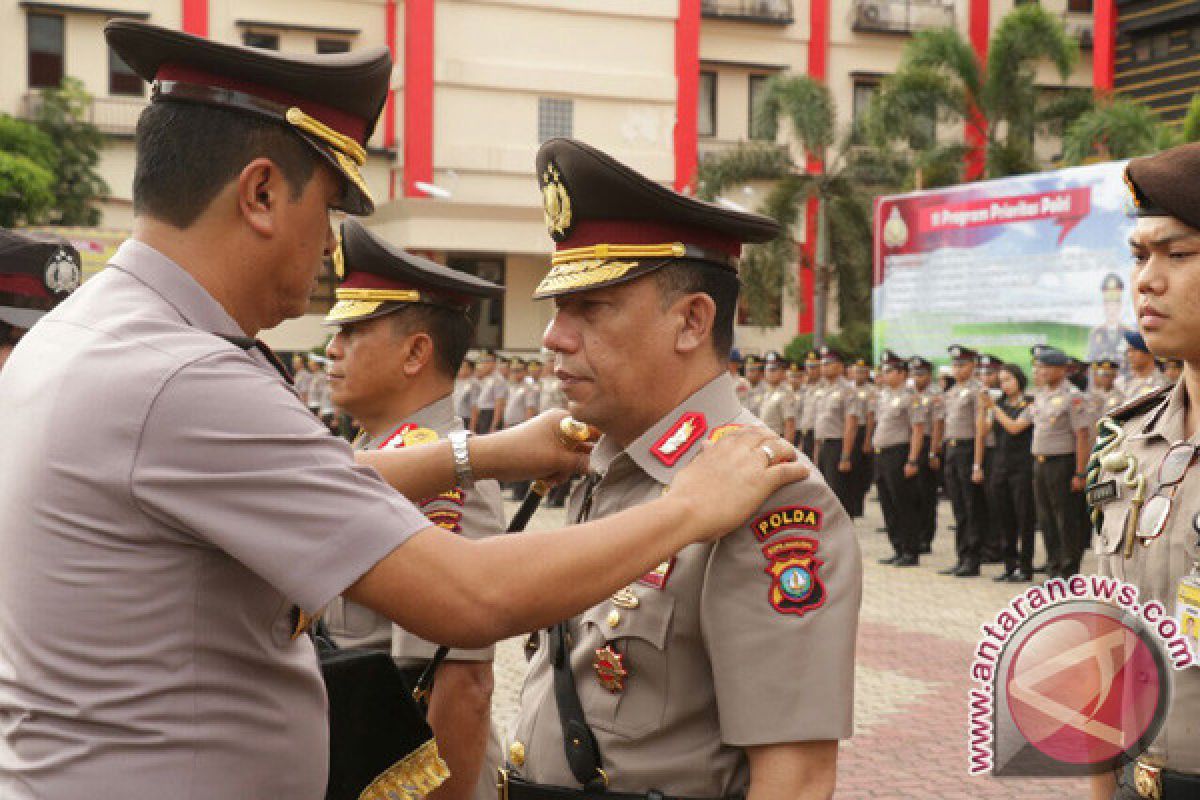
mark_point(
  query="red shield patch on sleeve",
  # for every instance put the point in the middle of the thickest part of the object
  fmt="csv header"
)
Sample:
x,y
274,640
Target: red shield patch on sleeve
x,y
796,586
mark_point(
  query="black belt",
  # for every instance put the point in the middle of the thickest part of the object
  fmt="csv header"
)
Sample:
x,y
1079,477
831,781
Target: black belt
x,y
959,442
510,787
889,448
1055,457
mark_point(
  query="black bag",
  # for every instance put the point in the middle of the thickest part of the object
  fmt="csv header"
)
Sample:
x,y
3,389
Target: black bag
x,y
380,746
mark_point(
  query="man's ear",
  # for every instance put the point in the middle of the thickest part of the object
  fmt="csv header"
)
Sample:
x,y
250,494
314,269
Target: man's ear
x,y
696,315
260,190
419,352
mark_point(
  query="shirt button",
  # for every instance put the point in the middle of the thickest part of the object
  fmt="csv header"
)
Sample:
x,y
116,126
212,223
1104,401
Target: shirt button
x,y
516,754
614,618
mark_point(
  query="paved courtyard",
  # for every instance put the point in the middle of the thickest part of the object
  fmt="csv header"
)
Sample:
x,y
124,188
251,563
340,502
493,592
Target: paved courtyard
x,y
916,636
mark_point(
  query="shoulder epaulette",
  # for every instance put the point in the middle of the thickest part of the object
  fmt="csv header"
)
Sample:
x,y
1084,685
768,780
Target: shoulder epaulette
x,y
1139,405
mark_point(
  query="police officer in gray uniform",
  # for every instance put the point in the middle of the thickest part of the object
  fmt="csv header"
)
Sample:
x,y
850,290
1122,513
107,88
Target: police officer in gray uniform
x,y
835,422
814,387
898,438
960,465
930,476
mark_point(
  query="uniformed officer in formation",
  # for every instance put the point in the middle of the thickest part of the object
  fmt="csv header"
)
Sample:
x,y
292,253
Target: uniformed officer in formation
x,y
778,407
835,423
1143,477
391,368
740,384
929,477
36,274
862,470
898,437
161,561
466,390
492,390
1060,447
961,469
797,382
1104,397
726,670
754,376
1144,376
814,387
991,546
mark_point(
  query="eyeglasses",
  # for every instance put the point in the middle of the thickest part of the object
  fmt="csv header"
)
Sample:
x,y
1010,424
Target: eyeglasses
x,y
1152,519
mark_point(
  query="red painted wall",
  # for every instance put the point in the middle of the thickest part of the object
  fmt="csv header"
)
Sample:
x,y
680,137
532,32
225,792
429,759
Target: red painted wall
x,y
818,68
1105,45
418,95
389,108
977,31
195,17
687,75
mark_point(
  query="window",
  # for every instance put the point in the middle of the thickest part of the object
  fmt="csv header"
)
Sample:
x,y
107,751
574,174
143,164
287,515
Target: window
x,y
1160,46
1080,6
45,51
864,93
121,78
333,46
758,85
706,114
267,41
556,117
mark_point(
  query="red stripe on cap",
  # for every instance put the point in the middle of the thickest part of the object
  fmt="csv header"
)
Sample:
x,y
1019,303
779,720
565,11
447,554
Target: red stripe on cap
x,y
369,280
25,285
586,233
341,121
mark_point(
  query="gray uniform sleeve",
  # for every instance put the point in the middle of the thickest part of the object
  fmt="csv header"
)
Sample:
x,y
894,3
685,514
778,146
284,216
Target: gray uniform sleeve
x,y
228,458
779,614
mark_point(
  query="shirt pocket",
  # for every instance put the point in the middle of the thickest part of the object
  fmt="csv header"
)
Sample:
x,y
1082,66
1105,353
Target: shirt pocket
x,y
640,637
1110,539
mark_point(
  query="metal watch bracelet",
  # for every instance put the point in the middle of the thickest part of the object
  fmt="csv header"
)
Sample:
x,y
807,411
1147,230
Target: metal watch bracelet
x,y
463,475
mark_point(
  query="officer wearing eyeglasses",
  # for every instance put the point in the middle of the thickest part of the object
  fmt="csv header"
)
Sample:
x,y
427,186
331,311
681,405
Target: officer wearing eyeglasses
x,y
1143,469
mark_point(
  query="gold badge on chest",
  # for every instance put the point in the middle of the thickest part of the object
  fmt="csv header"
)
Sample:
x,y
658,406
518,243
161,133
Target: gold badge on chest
x,y
610,669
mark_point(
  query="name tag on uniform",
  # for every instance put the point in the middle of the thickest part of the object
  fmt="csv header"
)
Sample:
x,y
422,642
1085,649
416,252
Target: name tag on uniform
x,y
1187,613
1102,493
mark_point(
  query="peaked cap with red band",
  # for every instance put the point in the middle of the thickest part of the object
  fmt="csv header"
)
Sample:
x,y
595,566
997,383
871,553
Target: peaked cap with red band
x,y
611,225
36,272
329,101
377,279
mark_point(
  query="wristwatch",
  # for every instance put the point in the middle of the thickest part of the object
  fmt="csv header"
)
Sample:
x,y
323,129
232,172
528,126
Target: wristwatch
x,y
463,474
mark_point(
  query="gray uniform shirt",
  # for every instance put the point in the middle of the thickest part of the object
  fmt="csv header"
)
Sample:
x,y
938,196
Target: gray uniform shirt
x,y
491,389
165,501
778,406
718,659
516,405
1156,569
958,406
1132,386
466,391
812,395
475,513
1056,415
896,411
833,405
754,397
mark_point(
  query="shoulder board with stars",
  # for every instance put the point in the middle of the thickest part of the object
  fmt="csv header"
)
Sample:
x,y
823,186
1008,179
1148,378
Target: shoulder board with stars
x,y
408,435
679,438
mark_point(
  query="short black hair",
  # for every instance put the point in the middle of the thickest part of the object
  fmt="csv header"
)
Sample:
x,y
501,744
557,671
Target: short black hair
x,y
187,153
1017,373
686,276
450,330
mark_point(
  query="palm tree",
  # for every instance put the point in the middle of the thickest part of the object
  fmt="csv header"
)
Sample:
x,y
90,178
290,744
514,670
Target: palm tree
x,y
940,80
843,246
1119,127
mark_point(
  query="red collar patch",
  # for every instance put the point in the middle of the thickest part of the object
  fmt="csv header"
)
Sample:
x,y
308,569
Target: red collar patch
x,y
408,434
679,438
657,578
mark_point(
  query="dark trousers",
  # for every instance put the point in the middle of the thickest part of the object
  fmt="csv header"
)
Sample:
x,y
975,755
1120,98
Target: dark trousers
x,y
898,497
966,499
829,455
1015,512
483,424
928,479
1083,528
1055,512
809,445
992,544
861,473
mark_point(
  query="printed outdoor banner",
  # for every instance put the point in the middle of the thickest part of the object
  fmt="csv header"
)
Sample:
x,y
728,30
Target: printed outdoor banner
x,y
1000,266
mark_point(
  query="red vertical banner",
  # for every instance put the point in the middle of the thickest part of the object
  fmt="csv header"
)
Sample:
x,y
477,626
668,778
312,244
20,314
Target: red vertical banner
x,y
418,95
687,97
1104,47
818,69
978,30
195,17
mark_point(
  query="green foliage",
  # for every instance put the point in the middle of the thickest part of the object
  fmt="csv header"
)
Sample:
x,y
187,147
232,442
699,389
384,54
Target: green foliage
x,y
62,115
940,76
1118,128
854,341
1190,130
26,173
798,348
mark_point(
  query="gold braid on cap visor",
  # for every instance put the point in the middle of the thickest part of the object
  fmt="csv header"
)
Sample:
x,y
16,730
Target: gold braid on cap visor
x,y
349,154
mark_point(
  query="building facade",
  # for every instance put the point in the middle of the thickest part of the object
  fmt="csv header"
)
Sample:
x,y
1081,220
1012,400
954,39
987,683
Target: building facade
x,y
479,84
1158,54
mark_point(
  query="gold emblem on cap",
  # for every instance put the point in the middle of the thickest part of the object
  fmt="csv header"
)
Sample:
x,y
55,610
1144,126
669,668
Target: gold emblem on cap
x,y
556,203
348,153
339,259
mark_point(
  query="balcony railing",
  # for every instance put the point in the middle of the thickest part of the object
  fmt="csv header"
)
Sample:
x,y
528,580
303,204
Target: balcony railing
x,y
901,16
112,115
775,12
